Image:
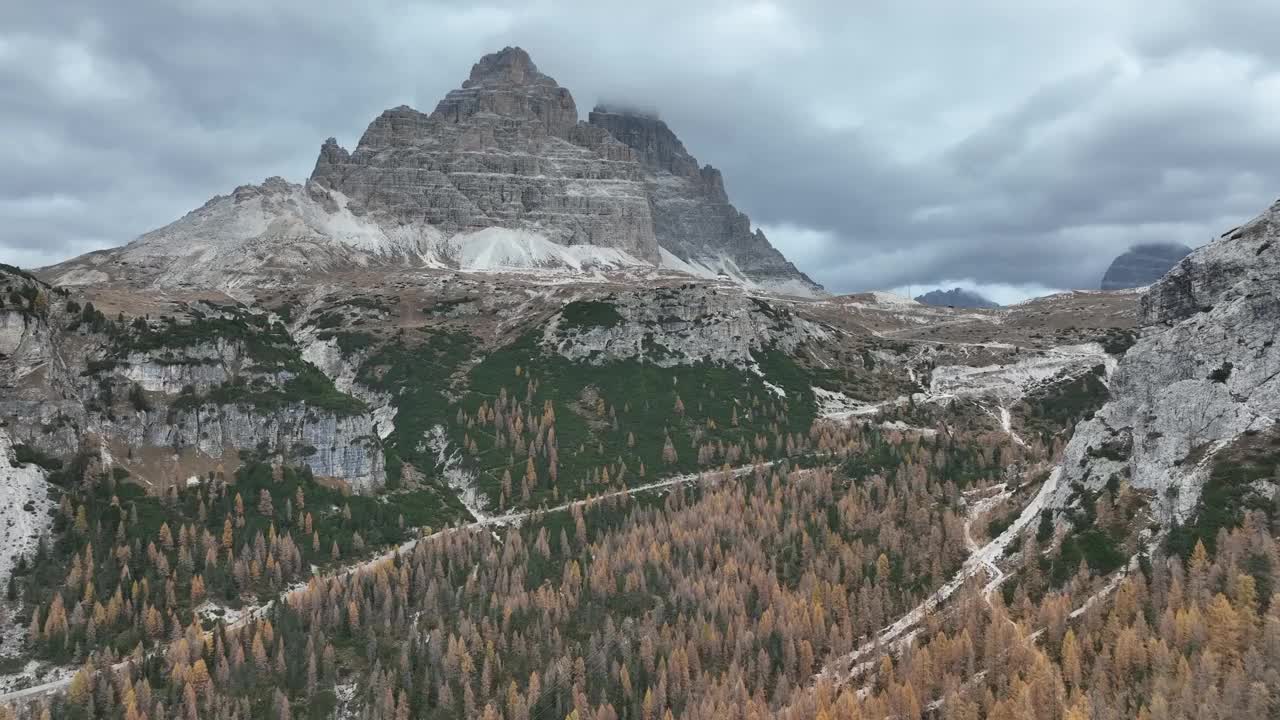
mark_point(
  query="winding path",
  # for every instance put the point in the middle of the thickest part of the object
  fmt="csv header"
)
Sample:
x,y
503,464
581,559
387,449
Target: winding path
x,y
512,518
981,559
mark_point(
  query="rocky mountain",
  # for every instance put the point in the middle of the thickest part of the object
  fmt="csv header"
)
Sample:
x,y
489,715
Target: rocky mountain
x,y
955,297
506,150
1142,265
694,222
313,418
171,398
501,176
1204,375
499,374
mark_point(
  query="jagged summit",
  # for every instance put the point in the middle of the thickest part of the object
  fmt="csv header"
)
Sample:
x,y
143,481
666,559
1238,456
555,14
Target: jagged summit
x,y
510,64
508,84
505,151
502,175
654,143
693,218
622,108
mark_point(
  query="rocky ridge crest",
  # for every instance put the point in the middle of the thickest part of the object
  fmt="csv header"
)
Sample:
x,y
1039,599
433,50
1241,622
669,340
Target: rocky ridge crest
x,y
693,218
1142,265
1205,372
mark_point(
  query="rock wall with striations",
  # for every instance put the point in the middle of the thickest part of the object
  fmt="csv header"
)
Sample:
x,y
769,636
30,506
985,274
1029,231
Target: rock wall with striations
x,y
157,412
504,150
693,218
1205,372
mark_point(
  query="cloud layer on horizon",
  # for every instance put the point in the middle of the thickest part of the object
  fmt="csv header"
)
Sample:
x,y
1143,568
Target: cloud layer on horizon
x,y
879,147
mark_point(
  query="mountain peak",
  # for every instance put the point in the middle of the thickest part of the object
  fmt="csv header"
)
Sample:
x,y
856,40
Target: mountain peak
x,y
956,297
500,175
654,143
1143,264
509,65
507,84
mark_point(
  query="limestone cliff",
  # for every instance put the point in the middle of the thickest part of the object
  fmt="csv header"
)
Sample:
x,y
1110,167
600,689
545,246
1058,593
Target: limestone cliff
x,y
1205,371
504,150
693,218
679,326
170,399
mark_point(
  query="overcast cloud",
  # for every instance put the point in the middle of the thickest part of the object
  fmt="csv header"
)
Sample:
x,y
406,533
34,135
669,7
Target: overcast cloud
x,y
1017,146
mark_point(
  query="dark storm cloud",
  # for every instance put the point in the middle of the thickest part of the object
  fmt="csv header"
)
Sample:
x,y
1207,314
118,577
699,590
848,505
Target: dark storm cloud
x,y
905,144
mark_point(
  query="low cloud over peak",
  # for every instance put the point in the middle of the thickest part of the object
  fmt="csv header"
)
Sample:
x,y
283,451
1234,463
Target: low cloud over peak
x,y
1008,146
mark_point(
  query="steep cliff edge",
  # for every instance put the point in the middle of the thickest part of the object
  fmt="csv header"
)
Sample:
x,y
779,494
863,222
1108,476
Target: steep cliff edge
x,y
1205,372
692,216
167,399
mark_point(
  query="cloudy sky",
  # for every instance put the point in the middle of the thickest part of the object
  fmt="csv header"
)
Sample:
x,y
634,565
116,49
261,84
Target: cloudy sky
x,y
1010,145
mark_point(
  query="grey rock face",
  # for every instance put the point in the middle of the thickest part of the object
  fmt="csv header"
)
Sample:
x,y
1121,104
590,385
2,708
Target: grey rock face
x,y
1206,371
684,326
653,142
51,392
1143,265
343,447
507,83
21,487
693,218
505,150
955,297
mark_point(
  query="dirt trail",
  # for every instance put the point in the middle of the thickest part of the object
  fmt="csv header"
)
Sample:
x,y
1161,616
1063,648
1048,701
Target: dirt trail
x,y
483,522
981,559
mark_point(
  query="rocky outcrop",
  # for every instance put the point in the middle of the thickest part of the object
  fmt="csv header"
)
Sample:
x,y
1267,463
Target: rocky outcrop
x,y
163,409
508,84
342,447
693,218
678,326
1206,371
1142,265
25,507
335,446
956,297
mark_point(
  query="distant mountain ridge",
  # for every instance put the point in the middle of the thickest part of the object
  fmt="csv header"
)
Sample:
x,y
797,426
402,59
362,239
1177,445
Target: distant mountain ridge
x,y
1142,265
956,297
501,176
